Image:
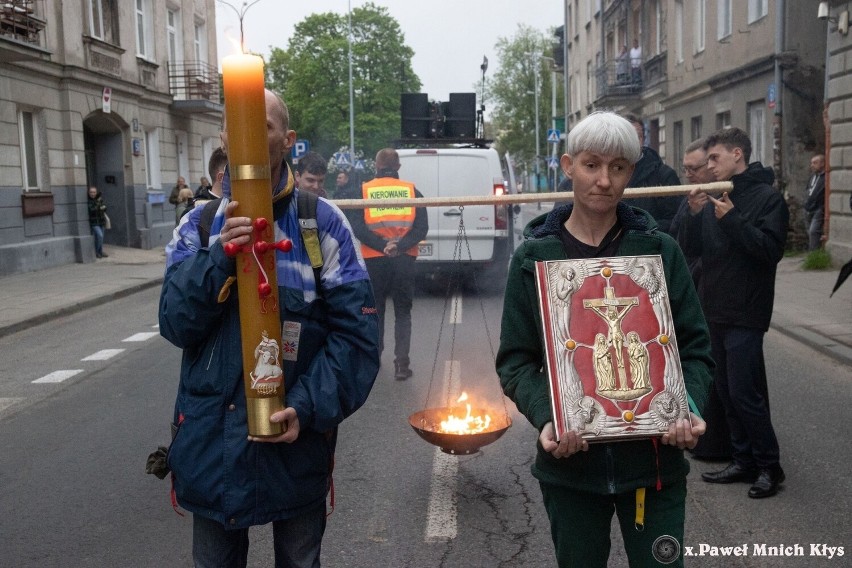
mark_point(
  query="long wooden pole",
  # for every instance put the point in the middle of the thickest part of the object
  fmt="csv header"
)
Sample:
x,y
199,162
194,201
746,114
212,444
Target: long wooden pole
x,y
714,187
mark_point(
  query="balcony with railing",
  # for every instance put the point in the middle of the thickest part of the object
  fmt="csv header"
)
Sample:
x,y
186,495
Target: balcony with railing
x,y
21,26
619,83
194,86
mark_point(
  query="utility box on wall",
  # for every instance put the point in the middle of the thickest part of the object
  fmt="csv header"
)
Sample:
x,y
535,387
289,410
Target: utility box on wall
x,y
37,203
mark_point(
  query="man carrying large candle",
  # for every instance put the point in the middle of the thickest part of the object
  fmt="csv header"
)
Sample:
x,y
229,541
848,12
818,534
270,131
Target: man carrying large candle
x,y
226,478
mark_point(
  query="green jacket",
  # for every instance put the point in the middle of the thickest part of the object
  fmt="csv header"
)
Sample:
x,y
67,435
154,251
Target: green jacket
x,y
612,467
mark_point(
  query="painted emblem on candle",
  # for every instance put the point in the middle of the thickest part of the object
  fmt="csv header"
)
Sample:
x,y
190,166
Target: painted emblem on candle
x,y
267,374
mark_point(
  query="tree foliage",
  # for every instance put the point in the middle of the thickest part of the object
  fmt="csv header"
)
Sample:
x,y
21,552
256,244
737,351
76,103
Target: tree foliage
x,y
312,75
511,91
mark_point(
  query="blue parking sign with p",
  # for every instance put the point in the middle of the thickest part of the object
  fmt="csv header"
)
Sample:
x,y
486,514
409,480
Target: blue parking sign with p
x,y
299,149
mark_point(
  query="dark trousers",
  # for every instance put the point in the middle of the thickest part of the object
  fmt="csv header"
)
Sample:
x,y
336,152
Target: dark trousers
x,y
296,542
741,384
394,277
814,224
580,524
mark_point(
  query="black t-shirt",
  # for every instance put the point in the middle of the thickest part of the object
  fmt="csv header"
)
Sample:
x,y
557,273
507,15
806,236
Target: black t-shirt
x,y
608,247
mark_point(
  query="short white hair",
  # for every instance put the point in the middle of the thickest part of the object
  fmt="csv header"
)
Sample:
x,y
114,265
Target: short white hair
x,y
605,133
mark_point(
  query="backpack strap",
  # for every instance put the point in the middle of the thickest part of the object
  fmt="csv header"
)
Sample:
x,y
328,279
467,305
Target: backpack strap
x,y
307,204
206,221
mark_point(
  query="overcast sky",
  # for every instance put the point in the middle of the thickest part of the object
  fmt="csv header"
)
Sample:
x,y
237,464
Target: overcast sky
x,y
449,37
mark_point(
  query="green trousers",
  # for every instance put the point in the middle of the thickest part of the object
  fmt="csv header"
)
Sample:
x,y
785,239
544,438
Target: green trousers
x,y
580,524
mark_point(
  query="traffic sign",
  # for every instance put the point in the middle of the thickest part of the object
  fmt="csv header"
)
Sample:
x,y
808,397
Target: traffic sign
x,y
342,159
552,163
359,165
553,135
299,149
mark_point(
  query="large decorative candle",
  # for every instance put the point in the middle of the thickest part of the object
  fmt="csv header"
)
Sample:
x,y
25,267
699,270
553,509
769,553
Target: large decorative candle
x,y
248,162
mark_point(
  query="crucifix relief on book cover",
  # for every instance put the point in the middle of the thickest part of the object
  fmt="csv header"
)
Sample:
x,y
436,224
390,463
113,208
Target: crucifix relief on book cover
x,y
612,358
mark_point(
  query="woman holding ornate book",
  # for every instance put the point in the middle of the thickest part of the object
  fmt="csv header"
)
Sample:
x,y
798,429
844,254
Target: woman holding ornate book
x,y
642,480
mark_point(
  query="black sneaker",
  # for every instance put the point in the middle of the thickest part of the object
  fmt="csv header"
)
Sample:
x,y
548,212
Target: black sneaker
x,y
402,372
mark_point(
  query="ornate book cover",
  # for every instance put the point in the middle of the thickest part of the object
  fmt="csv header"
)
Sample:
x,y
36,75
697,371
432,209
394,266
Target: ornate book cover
x,y
612,357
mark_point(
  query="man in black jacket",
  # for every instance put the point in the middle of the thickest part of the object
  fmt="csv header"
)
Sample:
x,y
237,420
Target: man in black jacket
x,y
740,237
652,172
815,202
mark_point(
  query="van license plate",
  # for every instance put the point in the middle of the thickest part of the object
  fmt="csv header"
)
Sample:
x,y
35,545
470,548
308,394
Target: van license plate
x,y
424,249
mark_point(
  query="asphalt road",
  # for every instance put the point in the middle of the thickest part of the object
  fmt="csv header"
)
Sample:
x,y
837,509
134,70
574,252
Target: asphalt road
x,y
73,491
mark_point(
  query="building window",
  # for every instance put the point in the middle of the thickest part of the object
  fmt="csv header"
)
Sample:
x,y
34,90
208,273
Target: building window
x,y
757,130
589,80
29,142
102,18
152,159
678,40
144,27
695,127
723,120
677,141
723,28
173,36
200,43
757,9
658,24
700,11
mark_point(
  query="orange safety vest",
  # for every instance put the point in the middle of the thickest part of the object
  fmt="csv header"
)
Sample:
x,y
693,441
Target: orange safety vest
x,y
388,222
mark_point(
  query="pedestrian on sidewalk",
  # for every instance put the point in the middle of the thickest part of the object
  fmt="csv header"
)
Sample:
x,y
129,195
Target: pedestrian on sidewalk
x,y
582,484
184,203
740,238
97,219
815,202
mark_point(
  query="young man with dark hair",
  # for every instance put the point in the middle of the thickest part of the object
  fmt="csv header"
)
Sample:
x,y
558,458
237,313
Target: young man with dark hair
x,y
740,238
310,173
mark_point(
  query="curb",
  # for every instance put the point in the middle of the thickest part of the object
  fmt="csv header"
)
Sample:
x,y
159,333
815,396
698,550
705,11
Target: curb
x,y
78,307
822,343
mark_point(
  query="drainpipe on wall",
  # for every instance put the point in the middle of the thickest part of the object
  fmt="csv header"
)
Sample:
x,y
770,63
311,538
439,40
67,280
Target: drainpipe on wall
x,y
777,123
826,122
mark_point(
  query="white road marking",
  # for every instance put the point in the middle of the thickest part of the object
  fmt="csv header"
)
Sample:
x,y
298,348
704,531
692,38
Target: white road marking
x,y
7,402
58,376
441,522
456,309
102,355
144,336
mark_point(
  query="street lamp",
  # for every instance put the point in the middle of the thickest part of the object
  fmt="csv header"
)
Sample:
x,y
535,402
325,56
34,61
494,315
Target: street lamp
x,y
241,13
534,57
351,95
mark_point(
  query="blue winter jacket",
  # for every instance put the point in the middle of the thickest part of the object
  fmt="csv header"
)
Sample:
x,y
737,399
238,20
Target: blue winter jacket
x,y
329,355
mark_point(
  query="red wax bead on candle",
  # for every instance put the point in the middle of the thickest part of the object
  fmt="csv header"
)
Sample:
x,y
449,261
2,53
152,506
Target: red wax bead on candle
x,y
260,224
284,245
231,249
264,289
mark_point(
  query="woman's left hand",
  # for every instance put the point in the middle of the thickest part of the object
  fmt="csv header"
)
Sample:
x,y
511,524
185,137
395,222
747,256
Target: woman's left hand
x,y
684,433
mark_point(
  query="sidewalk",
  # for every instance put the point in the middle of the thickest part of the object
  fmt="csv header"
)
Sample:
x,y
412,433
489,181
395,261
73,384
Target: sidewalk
x,y
37,297
803,309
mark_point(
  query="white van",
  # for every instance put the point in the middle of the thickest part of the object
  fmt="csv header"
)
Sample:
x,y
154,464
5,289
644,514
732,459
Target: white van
x,y
459,172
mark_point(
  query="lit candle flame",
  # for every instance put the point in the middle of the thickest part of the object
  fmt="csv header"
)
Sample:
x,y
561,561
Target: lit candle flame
x,y
468,424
